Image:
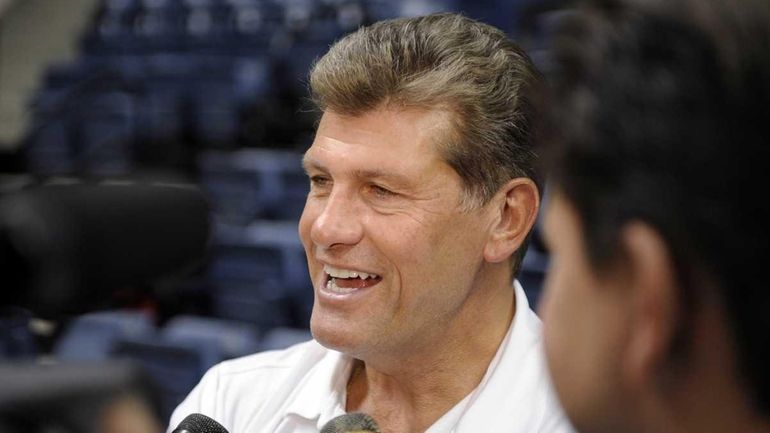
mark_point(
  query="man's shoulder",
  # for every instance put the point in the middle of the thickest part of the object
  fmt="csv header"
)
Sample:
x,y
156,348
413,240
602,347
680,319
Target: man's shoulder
x,y
236,391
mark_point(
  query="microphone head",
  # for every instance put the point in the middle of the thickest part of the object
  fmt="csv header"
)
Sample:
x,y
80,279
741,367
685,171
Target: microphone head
x,y
356,422
199,423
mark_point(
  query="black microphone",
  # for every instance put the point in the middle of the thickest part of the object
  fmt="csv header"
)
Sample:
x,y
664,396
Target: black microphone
x,y
355,422
65,246
199,423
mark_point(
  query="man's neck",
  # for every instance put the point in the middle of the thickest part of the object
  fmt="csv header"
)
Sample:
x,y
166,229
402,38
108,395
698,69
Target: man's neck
x,y
709,414
708,395
411,392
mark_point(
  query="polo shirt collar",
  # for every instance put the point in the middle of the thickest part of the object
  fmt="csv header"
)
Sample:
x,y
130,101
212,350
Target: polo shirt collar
x,y
321,396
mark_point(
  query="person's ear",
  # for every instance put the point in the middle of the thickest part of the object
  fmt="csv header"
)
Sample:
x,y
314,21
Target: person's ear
x,y
515,210
654,304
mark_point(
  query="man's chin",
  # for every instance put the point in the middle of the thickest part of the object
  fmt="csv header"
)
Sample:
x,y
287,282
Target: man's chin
x,y
341,339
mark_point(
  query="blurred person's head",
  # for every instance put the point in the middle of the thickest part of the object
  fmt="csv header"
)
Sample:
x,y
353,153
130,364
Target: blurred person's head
x,y
129,413
655,307
423,178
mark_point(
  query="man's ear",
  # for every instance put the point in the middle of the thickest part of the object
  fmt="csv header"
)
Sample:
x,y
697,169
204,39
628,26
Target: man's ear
x,y
515,205
655,304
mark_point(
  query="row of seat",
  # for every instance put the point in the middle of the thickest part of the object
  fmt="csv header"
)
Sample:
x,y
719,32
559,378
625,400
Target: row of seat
x,y
249,185
133,100
175,355
109,116
258,274
209,18
241,26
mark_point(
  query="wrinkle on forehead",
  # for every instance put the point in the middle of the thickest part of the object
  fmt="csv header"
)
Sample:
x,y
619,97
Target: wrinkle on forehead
x,y
397,137
431,126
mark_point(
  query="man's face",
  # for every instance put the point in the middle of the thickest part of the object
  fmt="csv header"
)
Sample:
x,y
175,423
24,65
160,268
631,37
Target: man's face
x,y
583,325
391,254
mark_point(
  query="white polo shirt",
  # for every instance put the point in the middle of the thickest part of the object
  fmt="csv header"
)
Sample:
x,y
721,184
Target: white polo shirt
x,y
298,390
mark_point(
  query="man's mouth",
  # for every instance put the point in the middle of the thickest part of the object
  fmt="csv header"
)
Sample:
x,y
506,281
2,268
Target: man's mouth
x,y
339,280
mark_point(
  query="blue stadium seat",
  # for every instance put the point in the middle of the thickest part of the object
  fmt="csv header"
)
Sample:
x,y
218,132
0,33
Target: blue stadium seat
x,y
120,5
159,122
254,21
292,186
413,8
297,60
298,285
246,284
377,10
246,261
497,13
258,273
91,337
174,366
234,338
235,197
16,339
295,187
274,233
252,79
281,338
215,115
263,304
106,132
252,184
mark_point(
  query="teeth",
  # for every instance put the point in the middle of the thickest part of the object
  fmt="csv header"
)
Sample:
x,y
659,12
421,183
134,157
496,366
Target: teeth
x,y
345,273
331,286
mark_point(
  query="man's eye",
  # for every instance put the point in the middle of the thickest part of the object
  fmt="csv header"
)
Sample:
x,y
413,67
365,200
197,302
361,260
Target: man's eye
x,y
319,181
381,192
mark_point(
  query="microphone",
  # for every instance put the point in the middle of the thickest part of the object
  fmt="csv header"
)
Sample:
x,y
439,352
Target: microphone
x,y
65,246
199,423
355,422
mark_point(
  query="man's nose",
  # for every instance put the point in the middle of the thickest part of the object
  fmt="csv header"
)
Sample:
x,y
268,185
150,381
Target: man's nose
x,y
338,223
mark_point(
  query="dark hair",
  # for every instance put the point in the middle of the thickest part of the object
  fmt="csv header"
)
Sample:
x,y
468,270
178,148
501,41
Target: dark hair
x,y
661,115
448,62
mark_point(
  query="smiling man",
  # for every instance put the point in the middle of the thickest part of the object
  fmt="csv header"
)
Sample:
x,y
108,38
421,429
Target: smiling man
x,y
423,194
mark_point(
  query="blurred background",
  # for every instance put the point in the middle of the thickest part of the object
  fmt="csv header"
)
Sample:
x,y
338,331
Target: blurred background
x,y
205,93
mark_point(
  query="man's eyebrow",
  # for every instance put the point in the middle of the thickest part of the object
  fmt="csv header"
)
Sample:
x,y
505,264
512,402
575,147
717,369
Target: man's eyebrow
x,y
311,163
394,178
